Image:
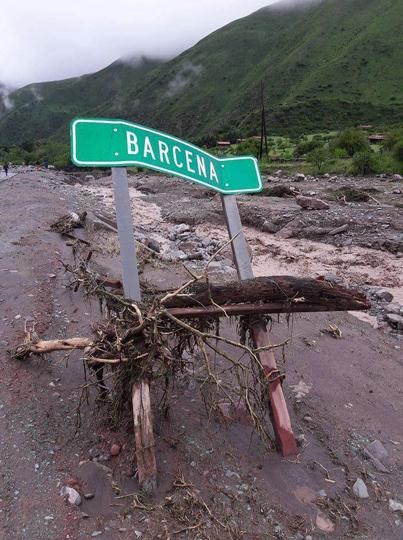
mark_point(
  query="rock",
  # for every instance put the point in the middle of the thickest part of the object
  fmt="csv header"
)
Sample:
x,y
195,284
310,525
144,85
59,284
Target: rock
x,y
395,506
269,227
377,449
89,496
397,177
376,452
232,474
384,295
338,230
94,452
96,533
181,228
301,439
279,173
299,178
138,534
394,308
396,321
89,177
115,449
360,489
154,245
324,523
72,496
285,233
309,203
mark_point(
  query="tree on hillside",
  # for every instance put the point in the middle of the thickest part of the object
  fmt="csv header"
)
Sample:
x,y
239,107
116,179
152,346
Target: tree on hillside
x,y
318,157
352,141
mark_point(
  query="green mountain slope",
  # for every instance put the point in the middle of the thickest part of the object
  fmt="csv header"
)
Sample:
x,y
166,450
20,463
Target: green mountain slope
x,y
325,64
40,110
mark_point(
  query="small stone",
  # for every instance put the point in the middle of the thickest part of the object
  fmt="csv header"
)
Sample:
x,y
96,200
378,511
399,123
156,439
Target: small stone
x,y
17,317
397,177
138,534
94,452
322,493
396,321
115,449
360,489
181,228
96,533
324,523
384,295
377,449
309,203
154,245
301,439
52,275
232,474
72,495
395,506
89,496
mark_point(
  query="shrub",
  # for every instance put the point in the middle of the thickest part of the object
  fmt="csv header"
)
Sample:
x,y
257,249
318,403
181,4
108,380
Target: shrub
x,y
352,141
305,147
364,162
318,157
398,150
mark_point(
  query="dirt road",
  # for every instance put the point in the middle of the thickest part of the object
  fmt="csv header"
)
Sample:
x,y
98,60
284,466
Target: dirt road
x,y
343,393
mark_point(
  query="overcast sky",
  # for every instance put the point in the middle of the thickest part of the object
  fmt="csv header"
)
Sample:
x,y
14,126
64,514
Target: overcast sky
x,y
54,39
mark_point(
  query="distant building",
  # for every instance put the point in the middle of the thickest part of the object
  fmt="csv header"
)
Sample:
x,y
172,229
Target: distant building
x,y
223,143
376,139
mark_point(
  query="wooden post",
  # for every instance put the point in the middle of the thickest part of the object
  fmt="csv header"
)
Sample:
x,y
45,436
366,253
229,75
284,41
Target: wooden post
x,y
141,402
278,407
144,436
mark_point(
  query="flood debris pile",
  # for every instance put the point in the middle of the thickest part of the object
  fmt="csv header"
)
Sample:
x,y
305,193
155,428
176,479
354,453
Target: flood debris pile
x,y
177,334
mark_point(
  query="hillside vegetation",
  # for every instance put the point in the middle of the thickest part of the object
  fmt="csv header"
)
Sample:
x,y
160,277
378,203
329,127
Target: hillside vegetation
x,y
326,65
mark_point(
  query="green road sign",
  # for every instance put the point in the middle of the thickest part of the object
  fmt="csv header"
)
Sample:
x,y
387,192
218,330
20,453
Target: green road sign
x,y
98,142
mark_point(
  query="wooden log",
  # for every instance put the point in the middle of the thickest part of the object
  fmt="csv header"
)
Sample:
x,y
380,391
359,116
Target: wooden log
x,y
252,309
47,346
286,289
144,437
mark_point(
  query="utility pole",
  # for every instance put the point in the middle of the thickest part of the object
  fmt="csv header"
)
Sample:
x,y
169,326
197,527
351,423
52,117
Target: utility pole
x,y
263,130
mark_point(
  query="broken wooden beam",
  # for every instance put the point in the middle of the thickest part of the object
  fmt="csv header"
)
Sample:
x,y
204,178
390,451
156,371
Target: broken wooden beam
x,y
286,290
280,417
144,437
47,346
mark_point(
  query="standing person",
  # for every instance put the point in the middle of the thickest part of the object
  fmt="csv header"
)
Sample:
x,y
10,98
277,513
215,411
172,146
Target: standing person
x,y
5,167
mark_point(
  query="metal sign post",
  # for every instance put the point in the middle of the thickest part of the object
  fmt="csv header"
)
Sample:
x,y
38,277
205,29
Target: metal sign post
x,y
130,276
278,406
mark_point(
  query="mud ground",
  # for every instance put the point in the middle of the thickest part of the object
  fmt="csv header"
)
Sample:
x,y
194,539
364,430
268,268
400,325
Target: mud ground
x,y
215,479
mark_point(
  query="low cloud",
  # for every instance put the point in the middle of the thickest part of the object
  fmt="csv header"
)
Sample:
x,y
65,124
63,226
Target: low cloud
x,y
283,5
6,102
183,78
45,41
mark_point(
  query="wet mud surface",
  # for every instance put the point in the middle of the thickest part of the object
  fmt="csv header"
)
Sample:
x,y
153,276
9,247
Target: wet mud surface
x,y
342,393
